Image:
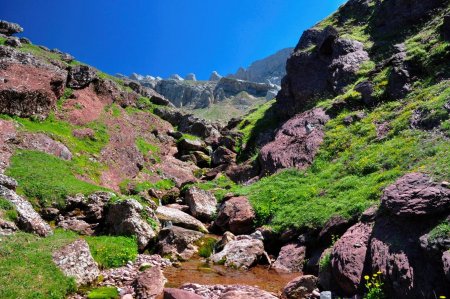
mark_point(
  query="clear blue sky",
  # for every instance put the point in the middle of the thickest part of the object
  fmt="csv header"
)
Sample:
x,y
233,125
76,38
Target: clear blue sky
x,y
162,37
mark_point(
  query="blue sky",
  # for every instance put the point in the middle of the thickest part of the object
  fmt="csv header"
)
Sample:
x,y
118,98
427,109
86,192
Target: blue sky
x,y
162,37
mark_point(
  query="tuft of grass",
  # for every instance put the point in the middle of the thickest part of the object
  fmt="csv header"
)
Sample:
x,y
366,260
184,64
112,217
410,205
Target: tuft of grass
x,y
104,293
112,252
440,231
206,246
147,149
7,210
325,262
45,179
27,269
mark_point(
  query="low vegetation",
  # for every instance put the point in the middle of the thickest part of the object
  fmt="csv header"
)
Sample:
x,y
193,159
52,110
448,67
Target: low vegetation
x,y
104,293
112,252
47,180
7,210
440,231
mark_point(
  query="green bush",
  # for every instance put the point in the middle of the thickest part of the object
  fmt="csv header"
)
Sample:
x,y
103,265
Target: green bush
x,y
112,252
45,179
104,293
27,269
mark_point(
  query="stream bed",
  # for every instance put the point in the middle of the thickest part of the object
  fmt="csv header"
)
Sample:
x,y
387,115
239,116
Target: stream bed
x,y
198,271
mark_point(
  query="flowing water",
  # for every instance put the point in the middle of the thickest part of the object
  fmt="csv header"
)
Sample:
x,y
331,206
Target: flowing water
x,y
198,271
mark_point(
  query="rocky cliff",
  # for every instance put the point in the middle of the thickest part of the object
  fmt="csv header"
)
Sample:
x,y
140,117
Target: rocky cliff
x,y
267,70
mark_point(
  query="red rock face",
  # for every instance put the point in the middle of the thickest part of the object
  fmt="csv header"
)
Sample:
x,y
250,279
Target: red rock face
x,y
28,90
349,255
296,143
416,195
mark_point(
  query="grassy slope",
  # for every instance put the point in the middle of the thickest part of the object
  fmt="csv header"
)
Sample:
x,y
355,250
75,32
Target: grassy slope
x,y
353,165
27,269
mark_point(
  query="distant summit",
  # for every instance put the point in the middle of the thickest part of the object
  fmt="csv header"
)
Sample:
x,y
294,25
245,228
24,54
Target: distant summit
x,y
267,70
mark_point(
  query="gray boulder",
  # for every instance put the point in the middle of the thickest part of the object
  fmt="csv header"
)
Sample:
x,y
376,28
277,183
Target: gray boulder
x,y
8,28
8,182
130,218
75,260
178,242
29,220
81,76
179,218
202,204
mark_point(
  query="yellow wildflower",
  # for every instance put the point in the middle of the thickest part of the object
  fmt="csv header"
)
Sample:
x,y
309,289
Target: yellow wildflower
x,y
366,277
379,272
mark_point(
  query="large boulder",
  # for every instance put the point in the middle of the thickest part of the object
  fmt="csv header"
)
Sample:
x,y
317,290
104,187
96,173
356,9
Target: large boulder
x,y
236,215
150,283
81,76
243,252
9,29
43,143
177,242
290,259
75,260
322,63
180,218
399,83
349,255
227,291
223,155
79,226
300,287
202,204
8,182
45,84
28,220
414,195
296,143
129,217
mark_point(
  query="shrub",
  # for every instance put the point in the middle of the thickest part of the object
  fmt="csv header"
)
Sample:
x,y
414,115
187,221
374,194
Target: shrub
x,y
112,252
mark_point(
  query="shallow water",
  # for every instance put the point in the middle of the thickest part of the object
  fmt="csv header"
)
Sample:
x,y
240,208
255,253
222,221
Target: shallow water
x,y
197,271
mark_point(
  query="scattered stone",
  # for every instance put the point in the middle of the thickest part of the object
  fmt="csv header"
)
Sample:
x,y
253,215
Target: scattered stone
x,y
415,195
7,227
67,57
25,40
180,294
202,204
177,242
300,287
223,155
81,76
28,220
227,291
84,133
13,42
290,259
150,283
75,260
180,218
79,226
9,29
236,215
130,218
186,145
43,143
243,252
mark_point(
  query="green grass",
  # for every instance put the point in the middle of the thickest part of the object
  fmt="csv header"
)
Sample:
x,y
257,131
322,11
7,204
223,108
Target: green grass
x,y
219,187
104,293
147,149
112,252
45,179
27,269
440,231
252,126
206,246
353,166
2,40
7,210
165,184
325,261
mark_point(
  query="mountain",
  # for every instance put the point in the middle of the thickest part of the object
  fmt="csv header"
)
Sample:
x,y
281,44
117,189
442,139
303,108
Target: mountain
x,y
267,70
340,183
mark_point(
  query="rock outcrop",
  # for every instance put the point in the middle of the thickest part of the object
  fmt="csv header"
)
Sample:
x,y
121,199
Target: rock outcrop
x,y
9,29
296,142
236,215
45,84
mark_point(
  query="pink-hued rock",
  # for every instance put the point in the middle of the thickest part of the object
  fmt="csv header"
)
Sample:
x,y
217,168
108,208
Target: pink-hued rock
x,y
180,294
7,135
203,204
84,133
29,86
348,257
296,142
446,262
227,291
150,283
236,215
291,258
300,287
43,143
416,195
